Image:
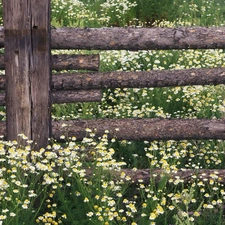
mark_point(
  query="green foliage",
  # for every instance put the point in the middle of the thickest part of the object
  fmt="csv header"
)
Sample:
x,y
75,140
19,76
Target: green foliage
x,y
150,12
145,13
96,13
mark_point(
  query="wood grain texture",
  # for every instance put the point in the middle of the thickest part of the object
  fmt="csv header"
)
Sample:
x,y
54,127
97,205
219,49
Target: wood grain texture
x,y
76,96
140,129
76,62
136,38
181,175
69,62
143,79
68,96
144,129
139,38
27,65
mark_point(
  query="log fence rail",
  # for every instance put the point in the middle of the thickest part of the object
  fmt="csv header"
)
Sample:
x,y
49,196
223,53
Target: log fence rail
x,y
87,86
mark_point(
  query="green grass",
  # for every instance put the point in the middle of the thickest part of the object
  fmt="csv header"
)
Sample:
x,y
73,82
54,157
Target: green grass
x,y
50,187
137,12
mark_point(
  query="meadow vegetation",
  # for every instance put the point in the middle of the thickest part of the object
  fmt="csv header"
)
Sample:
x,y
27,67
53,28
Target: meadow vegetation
x,y
73,183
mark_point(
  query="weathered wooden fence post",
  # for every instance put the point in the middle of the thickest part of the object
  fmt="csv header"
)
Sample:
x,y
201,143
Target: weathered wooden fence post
x,y
27,67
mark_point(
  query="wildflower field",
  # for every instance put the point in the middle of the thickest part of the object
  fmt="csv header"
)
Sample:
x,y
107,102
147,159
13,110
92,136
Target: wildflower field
x,y
85,182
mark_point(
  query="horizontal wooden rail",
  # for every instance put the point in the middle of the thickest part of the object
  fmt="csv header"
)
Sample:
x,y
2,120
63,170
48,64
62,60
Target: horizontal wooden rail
x,y
2,62
68,96
139,38
140,129
76,96
182,175
136,38
153,78
144,129
76,62
2,37
69,62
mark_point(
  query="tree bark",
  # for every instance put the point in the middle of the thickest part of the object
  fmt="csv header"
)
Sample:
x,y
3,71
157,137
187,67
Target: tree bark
x,y
76,96
27,67
2,62
140,129
2,82
3,129
139,38
69,62
68,96
184,175
2,35
76,62
154,78
144,129
2,99
136,38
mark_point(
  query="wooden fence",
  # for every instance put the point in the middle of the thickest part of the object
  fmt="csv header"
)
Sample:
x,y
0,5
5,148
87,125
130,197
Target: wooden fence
x,y
31,88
